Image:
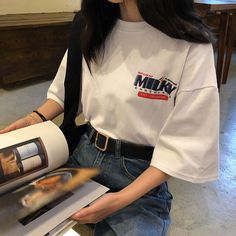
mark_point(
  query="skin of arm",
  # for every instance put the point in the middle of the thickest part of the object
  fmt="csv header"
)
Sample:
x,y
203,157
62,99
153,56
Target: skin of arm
x,y
112,202
50,109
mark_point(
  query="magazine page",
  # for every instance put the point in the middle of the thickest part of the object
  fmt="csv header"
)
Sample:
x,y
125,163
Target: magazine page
x,y
30,152
34,199
45,221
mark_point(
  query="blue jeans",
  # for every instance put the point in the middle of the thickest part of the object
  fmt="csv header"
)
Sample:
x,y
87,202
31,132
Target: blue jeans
x,y
147,216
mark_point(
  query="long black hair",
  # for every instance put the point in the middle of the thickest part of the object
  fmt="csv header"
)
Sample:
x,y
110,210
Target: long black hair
x,y
176,18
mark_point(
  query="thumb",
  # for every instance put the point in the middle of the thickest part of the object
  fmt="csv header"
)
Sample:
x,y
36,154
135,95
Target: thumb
x,y
81,213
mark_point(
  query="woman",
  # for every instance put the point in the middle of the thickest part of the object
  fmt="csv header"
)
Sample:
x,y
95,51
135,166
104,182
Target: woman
x,y
149,93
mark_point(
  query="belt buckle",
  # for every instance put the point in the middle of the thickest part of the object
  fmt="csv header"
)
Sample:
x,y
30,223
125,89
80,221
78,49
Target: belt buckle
x,y
105,145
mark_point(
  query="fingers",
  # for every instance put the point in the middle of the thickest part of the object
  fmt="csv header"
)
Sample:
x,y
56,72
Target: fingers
x,y
87,216
8,129
98,210
23,122
82,213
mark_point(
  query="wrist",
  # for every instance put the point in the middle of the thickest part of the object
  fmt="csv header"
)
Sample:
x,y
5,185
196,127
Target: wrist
x,y
33,119
42,117
123,198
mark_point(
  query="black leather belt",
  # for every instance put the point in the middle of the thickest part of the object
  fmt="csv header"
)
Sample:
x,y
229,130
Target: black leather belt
x,y
107,144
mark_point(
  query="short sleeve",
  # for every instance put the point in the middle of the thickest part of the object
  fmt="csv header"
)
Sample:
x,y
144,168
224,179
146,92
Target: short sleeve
x,y
56,90
188,144
199,69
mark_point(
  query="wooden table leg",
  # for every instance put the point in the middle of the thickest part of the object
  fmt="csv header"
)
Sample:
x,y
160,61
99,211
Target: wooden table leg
x,y
224,19
231,34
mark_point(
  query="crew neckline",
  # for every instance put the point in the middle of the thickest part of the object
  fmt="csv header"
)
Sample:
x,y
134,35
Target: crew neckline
x,y
132,26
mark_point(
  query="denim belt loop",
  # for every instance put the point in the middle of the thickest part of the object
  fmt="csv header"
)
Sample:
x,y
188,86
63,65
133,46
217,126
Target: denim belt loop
x,y
91,134
118,148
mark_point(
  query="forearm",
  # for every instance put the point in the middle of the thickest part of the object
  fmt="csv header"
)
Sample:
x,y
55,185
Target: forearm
x,y
149,179
50,109
112,202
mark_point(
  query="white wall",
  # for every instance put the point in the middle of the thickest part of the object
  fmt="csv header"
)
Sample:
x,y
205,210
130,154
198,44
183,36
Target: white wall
x,y
38,6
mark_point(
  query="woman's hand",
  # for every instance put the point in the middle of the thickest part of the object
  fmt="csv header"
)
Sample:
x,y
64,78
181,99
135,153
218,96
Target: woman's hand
x,y
21,123
100,209
112,202
50,109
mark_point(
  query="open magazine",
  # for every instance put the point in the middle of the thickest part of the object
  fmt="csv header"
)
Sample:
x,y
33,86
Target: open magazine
x,y
35,194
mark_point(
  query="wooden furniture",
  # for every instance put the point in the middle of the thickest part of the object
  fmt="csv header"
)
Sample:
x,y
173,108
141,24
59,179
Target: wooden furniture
x,y
32,45
227,32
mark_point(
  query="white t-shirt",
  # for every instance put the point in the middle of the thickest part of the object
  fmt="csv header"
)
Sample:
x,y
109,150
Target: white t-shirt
x,y
154,90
